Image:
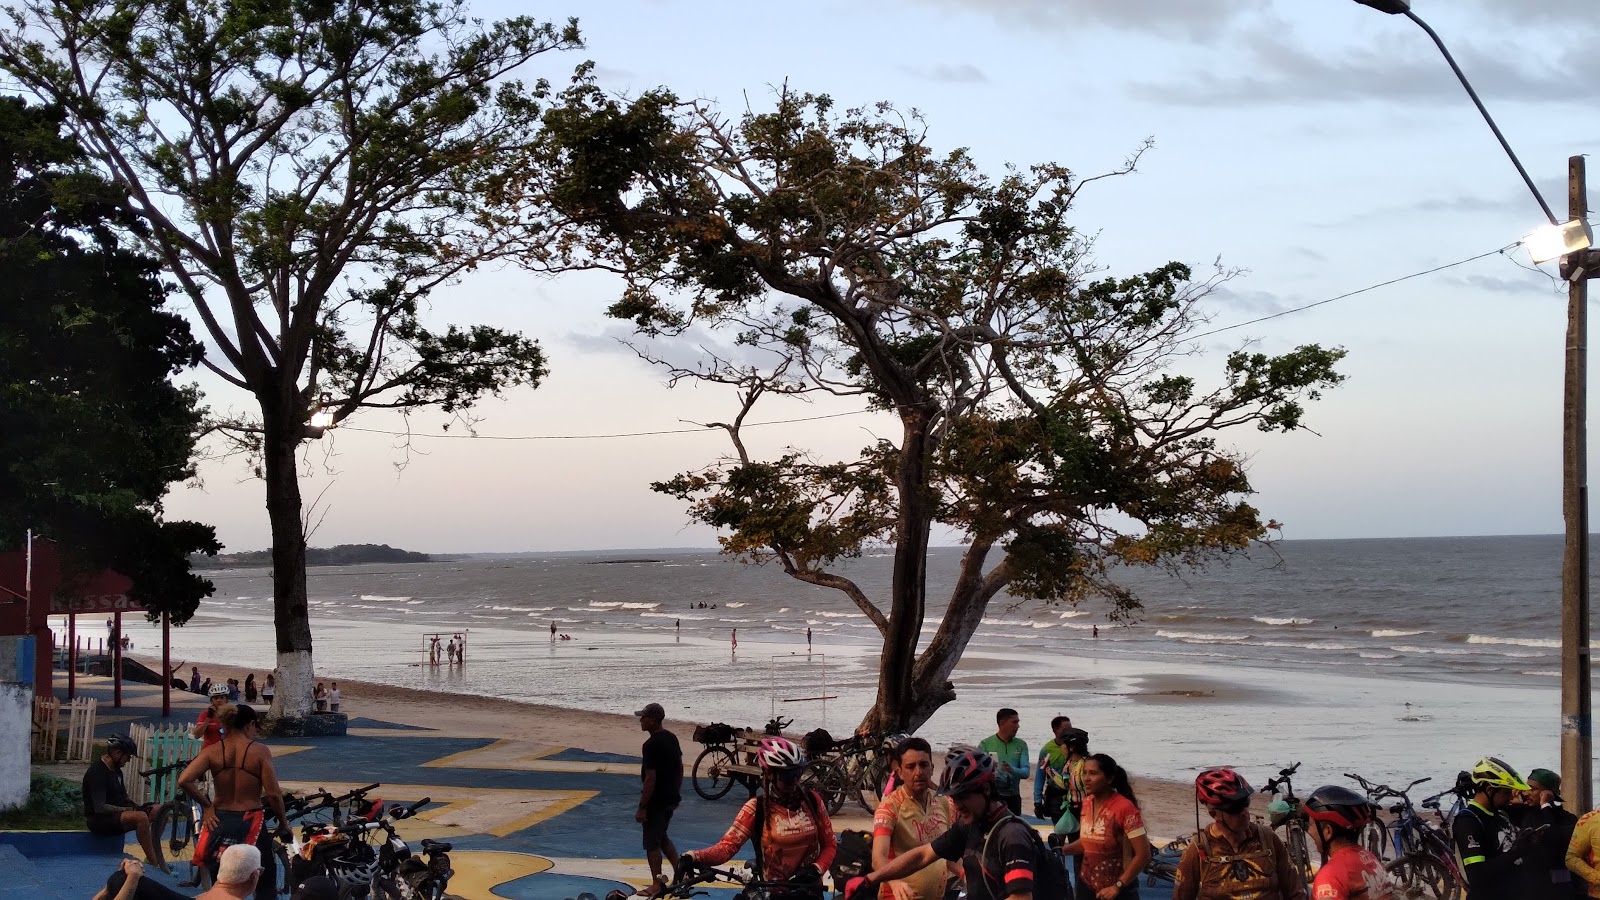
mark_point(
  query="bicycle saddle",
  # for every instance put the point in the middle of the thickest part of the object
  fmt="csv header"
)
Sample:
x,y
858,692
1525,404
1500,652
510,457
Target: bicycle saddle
x,y
429,845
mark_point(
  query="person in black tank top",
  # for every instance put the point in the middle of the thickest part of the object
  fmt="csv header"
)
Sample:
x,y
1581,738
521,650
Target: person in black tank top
x,y
243,776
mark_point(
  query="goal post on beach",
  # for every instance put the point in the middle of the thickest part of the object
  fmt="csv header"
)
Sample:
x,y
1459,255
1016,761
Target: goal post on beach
x,y
804,682
436,648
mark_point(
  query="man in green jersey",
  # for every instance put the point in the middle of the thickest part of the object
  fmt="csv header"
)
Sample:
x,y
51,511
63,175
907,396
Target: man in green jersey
x,y
1011,754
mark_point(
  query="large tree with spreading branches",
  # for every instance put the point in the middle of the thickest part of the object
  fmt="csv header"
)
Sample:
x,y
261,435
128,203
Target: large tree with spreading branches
x,y
309,172
93,431
1041,416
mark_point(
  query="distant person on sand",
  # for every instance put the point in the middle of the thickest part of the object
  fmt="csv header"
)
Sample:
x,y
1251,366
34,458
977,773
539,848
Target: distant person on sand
x,y
233,690
269,690
194,679
320,695
450,651
1207,869
1096,630
734,638
1011,754
433,649
333,697
552,631
808,639
662,774
250,694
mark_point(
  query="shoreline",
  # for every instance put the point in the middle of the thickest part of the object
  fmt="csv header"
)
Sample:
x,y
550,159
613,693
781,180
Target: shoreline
x,y
1167,804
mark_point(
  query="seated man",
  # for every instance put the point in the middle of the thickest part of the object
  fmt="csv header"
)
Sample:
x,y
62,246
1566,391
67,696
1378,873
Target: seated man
x,y
106,805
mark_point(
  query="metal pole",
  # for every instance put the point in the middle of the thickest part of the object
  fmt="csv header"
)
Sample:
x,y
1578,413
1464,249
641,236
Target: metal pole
x,y
116,659
72,655
1576,739
166,666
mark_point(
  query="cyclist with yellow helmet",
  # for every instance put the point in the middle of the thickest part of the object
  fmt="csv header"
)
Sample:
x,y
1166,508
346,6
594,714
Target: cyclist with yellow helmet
x,y
1490,856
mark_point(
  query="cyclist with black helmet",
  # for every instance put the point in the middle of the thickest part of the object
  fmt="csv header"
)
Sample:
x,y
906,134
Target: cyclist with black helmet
x,y
1349,872
788,826
1000,853
107,808
1490,856
1234,857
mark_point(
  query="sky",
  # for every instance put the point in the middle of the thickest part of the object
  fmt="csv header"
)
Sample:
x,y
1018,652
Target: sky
x,y
1318,145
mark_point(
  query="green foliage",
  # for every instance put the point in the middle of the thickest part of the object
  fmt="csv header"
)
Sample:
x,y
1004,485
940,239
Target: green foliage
x,y
338,555
92,431
53,804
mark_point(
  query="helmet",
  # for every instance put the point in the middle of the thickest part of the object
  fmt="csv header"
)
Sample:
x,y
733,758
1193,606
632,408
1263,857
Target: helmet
x,y
1340,807
1075,737
218,689
780,754
1221,787
966,772
354,865
122,742
1494,773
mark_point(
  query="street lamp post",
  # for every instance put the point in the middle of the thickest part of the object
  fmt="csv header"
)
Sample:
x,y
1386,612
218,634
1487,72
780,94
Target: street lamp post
x,y
1571,241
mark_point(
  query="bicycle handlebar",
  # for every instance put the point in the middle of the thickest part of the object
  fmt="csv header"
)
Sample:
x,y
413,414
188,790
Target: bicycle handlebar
x,y
162,770
385,821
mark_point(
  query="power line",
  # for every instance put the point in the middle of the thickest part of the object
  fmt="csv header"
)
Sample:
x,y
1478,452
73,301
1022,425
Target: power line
x,y
593,437
1392,281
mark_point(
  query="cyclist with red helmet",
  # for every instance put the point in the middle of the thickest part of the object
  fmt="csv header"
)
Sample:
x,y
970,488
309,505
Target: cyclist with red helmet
x,y
1002,856
787,825
1235,857
1348,871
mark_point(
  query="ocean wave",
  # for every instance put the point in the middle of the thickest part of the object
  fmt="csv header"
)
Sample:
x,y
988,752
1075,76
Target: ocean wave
x,y
602,604
1367,654
730,605
1307,645
647,605
374,598
834,615
1437,651
521,609
783,609
1269,620
1394,632
1073,613
1553,673
673,615
1519,642
1201,636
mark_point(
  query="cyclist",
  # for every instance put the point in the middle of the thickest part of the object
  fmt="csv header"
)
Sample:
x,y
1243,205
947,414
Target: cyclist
x,y
106,805
1011,753
1001,855
1111,828
242,775
912,815
1234,857
1348,872
788,825
1050,787
1489,855
209,725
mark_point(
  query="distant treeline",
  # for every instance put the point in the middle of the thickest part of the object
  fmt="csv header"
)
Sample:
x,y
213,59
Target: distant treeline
x,y
342,555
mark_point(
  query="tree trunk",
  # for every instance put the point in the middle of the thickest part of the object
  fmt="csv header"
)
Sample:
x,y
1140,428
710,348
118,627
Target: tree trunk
x,y
908,592
291,621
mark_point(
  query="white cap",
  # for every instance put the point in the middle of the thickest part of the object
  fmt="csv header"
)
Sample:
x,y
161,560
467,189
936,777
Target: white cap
x,y
240,862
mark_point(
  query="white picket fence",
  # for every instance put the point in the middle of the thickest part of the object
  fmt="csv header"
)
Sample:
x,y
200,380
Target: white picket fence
x,y
80,729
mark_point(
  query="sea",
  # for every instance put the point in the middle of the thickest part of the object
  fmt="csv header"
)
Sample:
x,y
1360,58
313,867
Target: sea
x,y
1394,658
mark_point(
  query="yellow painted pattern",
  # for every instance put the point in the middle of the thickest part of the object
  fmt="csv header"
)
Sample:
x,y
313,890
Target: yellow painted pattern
x,y
518,756
466,810
479,872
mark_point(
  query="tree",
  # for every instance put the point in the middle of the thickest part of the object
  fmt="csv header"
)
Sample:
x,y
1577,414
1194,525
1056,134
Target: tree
x,y
92,429
1040,414
309,171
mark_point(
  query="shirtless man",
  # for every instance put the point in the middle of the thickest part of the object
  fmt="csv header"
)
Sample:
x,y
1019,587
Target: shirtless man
x,y
242,775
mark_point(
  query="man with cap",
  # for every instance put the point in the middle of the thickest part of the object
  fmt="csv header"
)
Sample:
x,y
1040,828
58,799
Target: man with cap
x,y
1545,866
107,808
662,773
237,874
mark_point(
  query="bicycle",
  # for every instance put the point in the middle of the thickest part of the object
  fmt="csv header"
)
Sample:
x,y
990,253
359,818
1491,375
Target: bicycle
x,y
1423,862
1163,865
320,842
174,826
1292,820
749,886
714,772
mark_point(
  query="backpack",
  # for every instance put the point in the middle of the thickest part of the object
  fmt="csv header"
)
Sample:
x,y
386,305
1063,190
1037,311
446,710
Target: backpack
x,y
1229,875
854,856
1050,880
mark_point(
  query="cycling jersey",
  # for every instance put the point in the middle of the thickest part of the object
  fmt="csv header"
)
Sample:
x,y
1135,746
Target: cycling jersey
x,y
1584,851
213,728
1052,769
790,838
240,827
1483,838
908,825
1258,868
1013,753
1006,868
1104,826
1352,873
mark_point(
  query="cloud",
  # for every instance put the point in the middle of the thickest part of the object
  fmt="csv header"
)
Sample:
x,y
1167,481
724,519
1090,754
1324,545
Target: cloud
x,y
1250,303
1531,283
1272,67
689,350
965,73
1192,19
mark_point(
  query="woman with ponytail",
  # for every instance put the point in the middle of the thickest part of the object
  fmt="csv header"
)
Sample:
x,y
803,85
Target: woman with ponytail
x,y
1112,839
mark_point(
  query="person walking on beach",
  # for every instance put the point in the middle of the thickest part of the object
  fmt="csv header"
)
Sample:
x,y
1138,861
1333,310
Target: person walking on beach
x,y
662,774
250,694
433,647
333,697
1111,827
242,777
1000,854
269,690
734,639
194,679
552,631
320,696
808,640
909,816
1234,856
1011,755
1493,867
1349,872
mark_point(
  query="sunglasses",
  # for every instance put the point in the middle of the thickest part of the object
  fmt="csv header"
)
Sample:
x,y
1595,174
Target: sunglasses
x,y
1232,809
787,776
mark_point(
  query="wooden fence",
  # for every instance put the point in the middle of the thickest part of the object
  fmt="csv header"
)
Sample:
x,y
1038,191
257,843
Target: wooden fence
x,y
47,729
46,710
159,746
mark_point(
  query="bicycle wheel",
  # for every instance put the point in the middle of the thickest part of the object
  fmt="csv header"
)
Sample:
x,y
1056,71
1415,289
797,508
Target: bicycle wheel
x,y
712,780
1294,839
822,776
174,833
1376,839
1419,876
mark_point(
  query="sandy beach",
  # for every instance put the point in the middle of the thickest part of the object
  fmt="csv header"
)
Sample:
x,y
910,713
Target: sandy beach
x,y
1168,805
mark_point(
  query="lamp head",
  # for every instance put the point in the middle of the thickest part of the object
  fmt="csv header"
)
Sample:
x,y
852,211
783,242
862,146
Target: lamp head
x,y
1392,7
1556,241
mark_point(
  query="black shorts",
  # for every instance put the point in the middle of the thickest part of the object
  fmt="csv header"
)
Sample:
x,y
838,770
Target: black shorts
x,y
656,820
107,823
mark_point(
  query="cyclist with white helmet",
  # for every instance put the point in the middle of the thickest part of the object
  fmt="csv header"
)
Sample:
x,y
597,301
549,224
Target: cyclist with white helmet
x,y
787,825
1489,855
1349,872
209,726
